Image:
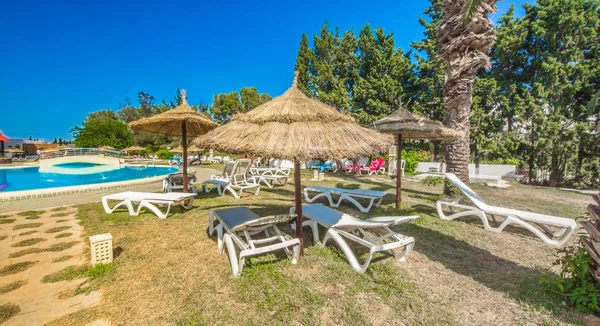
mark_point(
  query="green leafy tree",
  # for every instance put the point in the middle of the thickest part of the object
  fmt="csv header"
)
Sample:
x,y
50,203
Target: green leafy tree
x,y
382,75
304,63
226,105
99,129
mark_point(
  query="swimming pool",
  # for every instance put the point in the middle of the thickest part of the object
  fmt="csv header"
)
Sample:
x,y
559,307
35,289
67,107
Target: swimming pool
x,y
31,178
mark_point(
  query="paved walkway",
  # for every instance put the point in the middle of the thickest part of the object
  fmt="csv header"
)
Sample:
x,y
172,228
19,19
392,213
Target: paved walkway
x,y
87,197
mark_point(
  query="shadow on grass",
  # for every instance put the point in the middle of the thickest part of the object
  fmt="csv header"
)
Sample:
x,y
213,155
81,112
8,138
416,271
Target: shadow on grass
x,y
499,274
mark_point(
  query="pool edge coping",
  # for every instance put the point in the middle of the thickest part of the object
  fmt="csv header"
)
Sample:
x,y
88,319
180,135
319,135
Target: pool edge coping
x,y
57,191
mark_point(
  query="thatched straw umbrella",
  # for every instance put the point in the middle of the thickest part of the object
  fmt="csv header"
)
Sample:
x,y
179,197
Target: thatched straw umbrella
x,y
295,127
110,148
182,122
133,149
14,151
194,149
406,125
178,149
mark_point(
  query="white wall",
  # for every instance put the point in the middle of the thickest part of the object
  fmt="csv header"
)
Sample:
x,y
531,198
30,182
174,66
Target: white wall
x,y
500,170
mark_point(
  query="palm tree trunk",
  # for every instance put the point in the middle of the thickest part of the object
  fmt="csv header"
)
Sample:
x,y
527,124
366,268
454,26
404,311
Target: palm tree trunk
x,y
465,46
457,100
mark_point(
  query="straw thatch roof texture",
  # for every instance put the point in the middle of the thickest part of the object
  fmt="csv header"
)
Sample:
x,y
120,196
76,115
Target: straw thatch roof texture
x,y
169,123
295,127
412,126
133,149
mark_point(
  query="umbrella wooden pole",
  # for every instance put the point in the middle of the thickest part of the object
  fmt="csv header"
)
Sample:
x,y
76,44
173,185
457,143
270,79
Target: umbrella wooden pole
x,y
298,196
399,172
184,146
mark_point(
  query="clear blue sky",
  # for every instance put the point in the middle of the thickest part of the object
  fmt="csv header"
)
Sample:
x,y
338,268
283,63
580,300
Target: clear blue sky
x,y
61,60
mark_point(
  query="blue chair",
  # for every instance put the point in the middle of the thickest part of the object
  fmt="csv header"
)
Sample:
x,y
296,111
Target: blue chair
x,y
327,166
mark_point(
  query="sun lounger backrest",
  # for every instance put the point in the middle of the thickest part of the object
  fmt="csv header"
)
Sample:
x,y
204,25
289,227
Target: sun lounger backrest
x,y
465,190
229,168
243,166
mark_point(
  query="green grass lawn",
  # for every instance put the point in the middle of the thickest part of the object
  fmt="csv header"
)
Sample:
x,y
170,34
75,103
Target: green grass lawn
x,y
168,272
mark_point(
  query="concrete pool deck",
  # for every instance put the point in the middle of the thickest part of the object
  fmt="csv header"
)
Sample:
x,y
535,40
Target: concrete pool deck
x,y
202,174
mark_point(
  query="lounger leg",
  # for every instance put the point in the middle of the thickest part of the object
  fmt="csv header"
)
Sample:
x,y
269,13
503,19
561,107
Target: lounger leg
x,y
151,207
333,234
220,239
188,203
211,223
236,265
127,203
323,194
231,191
356,203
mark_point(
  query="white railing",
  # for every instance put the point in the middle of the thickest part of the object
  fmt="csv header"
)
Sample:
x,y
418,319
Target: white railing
x,y
79,152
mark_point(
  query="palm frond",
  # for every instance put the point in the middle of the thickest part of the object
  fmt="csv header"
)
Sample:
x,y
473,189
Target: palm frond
x,y
469,10
593,103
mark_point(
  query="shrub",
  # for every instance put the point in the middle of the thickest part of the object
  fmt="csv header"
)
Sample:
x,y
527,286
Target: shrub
x,y
413,157
163,154
433,181
574,281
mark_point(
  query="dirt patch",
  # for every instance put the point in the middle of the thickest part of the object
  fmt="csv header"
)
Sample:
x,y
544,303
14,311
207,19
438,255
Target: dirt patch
x,y
60,215
41,303
27,226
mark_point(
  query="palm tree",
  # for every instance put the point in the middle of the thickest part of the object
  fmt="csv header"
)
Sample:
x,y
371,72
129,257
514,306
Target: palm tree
x,y
464,40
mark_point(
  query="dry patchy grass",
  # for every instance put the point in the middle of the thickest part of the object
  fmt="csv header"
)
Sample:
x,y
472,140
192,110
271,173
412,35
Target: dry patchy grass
x,y
27,226
58,229
28,242
457,274
28,232
63,235
62,258
31,215
7,311
12,286
16,268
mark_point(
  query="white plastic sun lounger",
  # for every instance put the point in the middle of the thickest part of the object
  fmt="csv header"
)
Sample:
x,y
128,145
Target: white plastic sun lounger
x,y
236,226
374,233
539,224
374,197
148,200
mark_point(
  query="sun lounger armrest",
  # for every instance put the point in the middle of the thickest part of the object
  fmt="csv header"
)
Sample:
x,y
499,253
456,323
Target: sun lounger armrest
x,y
393,220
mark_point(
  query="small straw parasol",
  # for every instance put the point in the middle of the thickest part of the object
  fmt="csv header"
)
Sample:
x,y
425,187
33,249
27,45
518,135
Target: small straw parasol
x,y
178,149
406,125
295,127
106,147
133,149
194,149
182,122
13,150
63,147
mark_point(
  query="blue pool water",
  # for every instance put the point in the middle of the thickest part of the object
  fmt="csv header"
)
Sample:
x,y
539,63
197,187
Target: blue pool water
x,y
31,178
77,165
